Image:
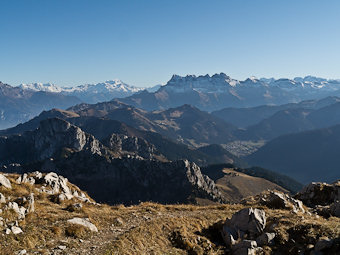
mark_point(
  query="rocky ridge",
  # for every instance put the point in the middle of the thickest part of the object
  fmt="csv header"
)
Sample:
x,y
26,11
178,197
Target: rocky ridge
x,y
129,167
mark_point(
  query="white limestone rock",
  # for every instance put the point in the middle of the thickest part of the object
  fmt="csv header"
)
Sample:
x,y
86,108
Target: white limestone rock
x,y
5,182
85,222
16,230
2,199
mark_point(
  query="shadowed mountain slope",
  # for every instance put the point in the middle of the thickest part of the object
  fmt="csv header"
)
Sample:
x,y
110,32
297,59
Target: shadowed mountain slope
x,y
306,156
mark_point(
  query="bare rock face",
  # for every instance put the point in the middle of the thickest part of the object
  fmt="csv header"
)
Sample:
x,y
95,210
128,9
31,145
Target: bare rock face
x,y
122,144
5,182
54,134
134,179
54,137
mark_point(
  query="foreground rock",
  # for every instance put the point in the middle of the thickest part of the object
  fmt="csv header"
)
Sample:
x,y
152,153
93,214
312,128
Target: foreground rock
x,y
5,182
322,197
276,200
240,232
84,222
16,208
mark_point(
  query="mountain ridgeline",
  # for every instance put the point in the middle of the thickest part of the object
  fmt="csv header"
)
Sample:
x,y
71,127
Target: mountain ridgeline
x,y
118,168
179,132
218,91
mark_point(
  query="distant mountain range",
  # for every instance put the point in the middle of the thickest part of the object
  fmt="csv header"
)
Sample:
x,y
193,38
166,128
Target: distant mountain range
x,y
215,92
88,93
208,93
19,105
176,122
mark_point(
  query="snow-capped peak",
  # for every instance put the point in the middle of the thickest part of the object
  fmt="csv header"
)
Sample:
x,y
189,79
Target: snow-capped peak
x,y
46,87
107,86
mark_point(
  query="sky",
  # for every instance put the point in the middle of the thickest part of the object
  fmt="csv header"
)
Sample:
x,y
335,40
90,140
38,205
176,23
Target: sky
x,y
145,42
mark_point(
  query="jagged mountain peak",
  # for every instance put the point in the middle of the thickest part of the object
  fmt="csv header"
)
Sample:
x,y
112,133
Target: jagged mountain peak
x,y
193,78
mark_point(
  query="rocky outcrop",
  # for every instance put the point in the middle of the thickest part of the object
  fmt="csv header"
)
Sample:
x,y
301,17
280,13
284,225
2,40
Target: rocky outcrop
x,y
322,197
276,200
5,182
127,145
55,134
130,180
53,138
241,231
129,171
53,185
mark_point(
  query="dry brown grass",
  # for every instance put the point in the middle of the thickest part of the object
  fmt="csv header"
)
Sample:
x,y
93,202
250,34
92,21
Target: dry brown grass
x,y
76,231
150,228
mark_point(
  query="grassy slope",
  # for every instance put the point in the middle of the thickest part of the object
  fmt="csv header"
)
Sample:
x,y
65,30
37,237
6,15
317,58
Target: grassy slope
x,y
148,228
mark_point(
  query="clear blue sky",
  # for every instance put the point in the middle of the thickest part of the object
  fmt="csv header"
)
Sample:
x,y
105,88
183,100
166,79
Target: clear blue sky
x,y
71,42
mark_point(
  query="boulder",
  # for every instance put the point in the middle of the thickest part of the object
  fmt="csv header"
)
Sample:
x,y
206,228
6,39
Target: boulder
x,y
249,220
2,199
85,222
246,222
19,210
265,239
5,182
16,230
